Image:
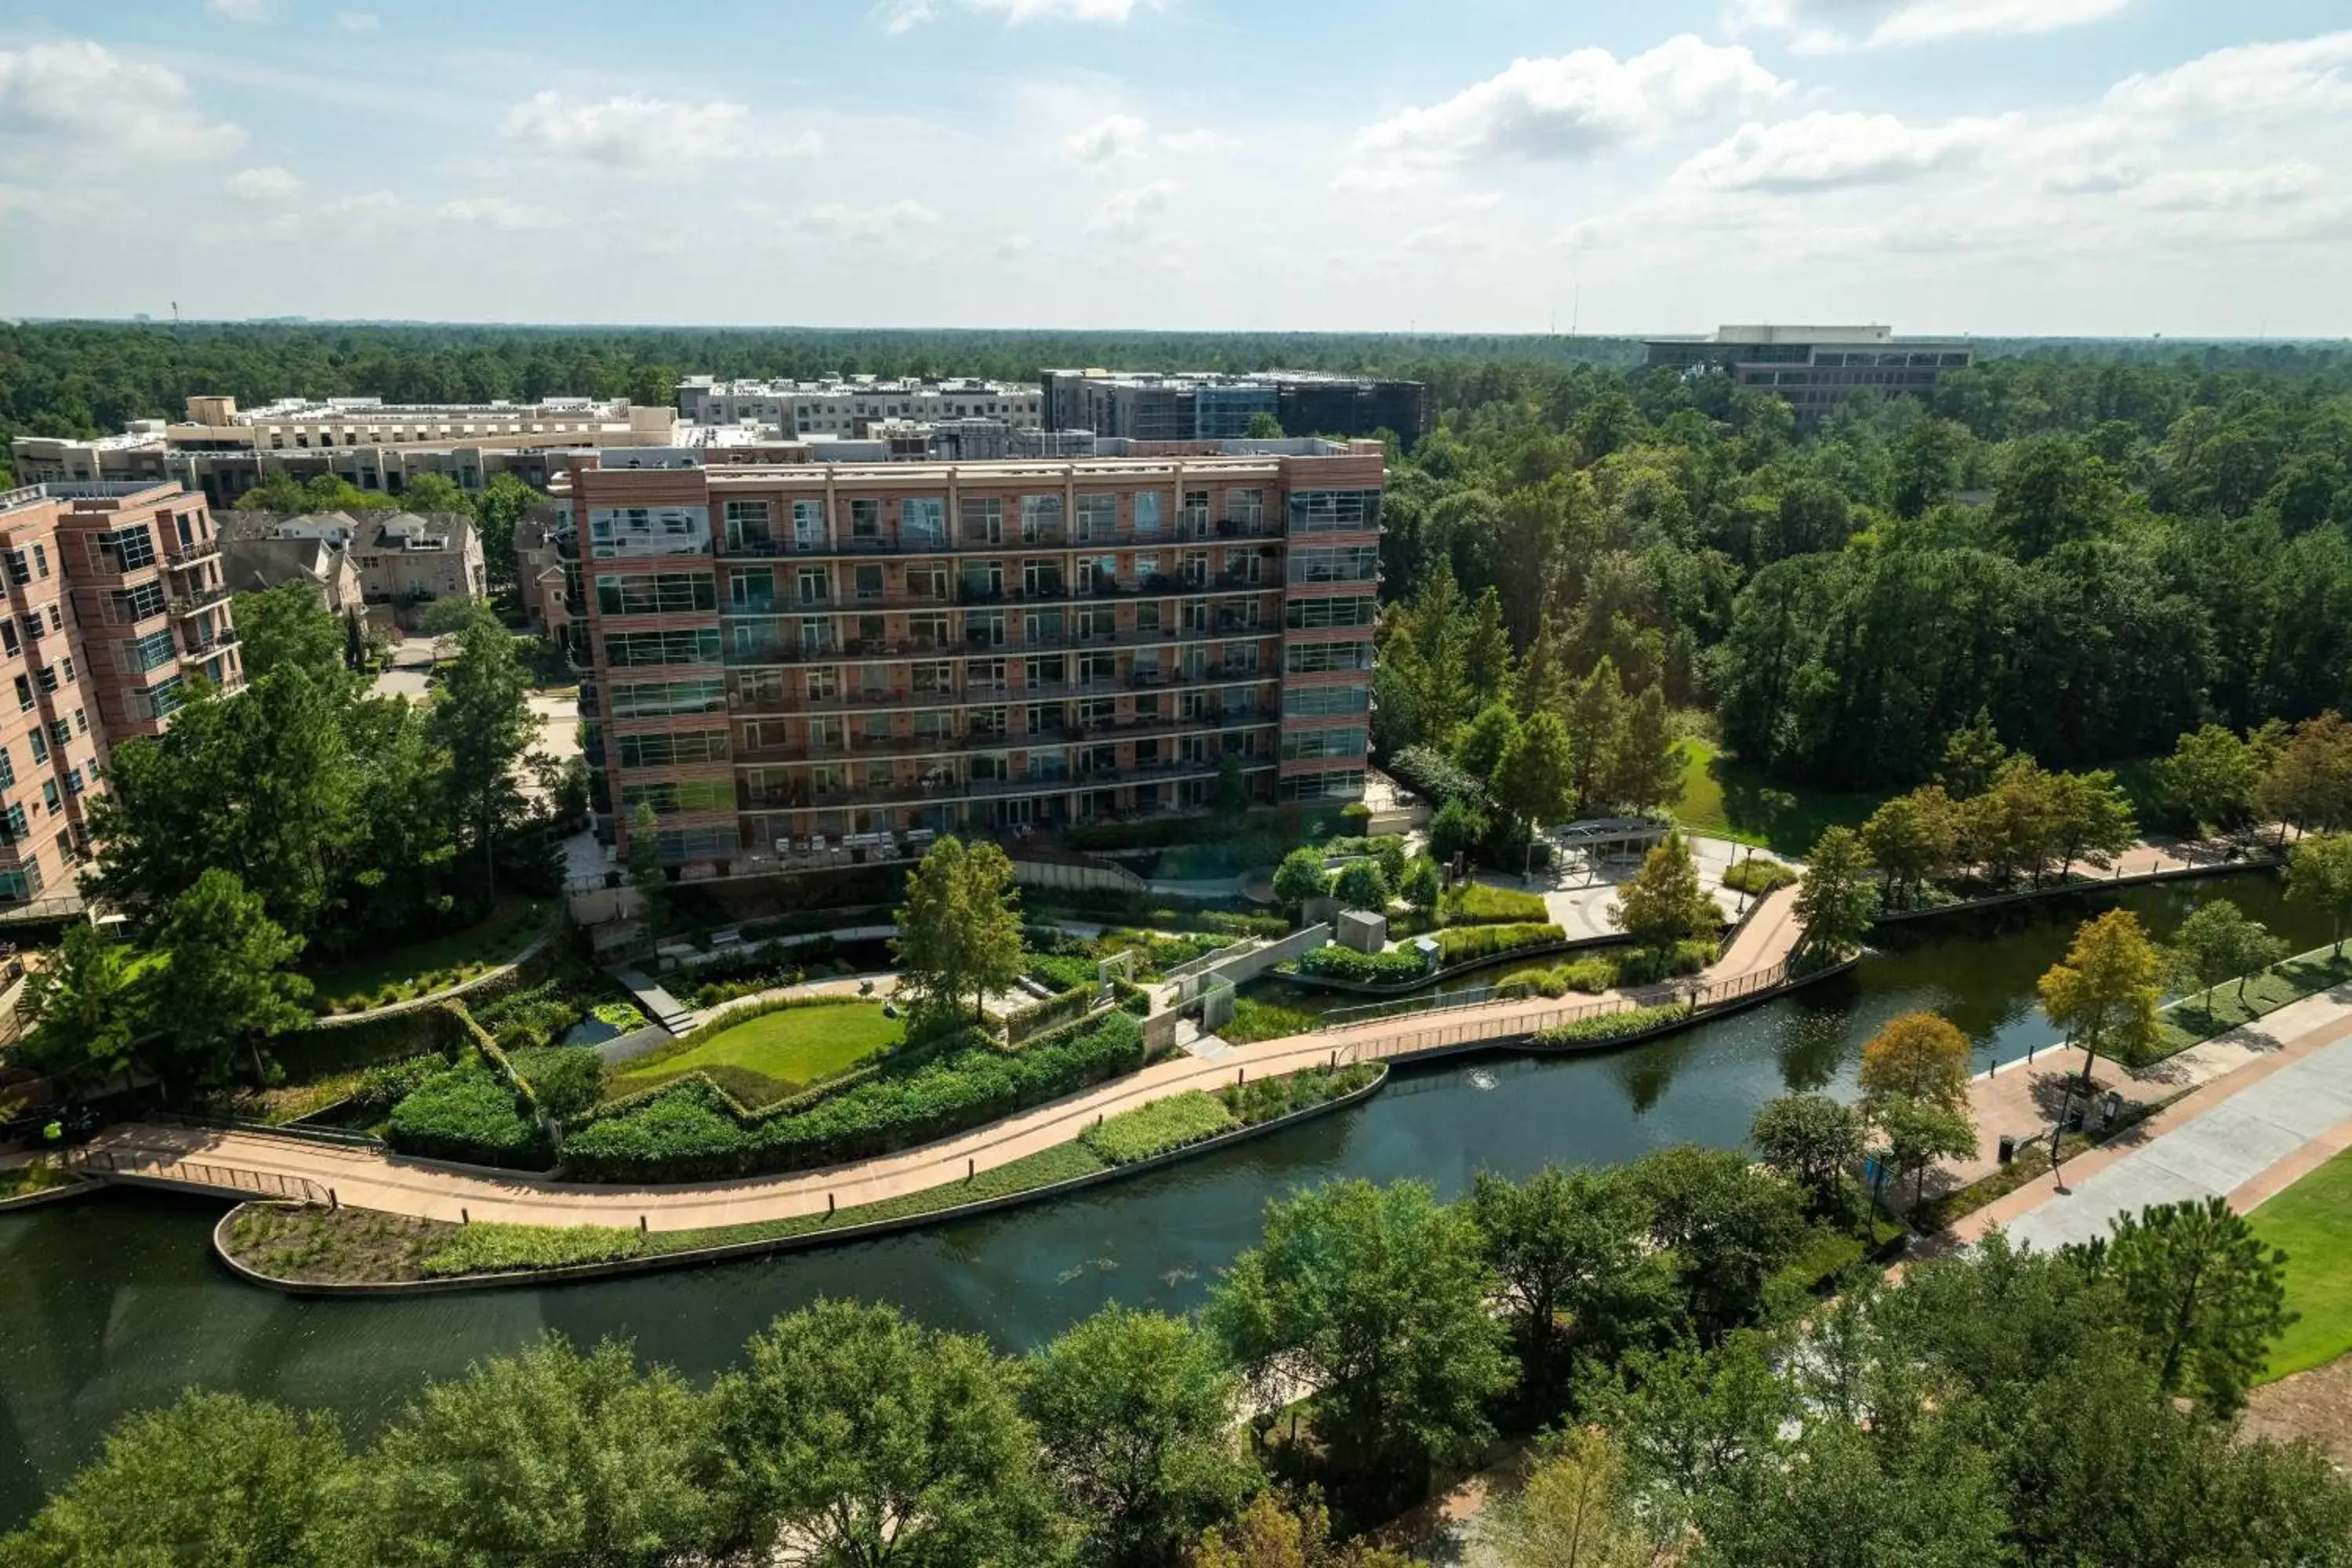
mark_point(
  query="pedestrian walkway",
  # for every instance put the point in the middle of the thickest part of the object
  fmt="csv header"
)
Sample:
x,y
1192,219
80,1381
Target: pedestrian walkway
x,y
2269,1102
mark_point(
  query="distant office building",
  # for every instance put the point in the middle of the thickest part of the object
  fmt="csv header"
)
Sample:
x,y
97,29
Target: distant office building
x,y
1814,369
1207,407
846,405
115,604
783,651
222,451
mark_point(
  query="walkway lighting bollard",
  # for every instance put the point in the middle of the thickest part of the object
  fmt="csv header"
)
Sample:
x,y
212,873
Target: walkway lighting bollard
x,y
970,1168
828,1205
335,1203
465,1218
641,1224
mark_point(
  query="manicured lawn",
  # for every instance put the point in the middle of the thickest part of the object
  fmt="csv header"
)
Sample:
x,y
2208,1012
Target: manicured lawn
x,y
790,1050
1725,798
2312,1223
418,968
2210,1013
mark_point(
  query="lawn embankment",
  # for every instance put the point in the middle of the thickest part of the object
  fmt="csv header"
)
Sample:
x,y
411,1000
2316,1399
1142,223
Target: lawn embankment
x,y
774,1056
2311,1222
2205,1014
421,968
1723,798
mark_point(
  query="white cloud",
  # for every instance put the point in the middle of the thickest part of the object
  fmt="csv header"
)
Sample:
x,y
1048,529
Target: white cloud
x,y
1013,246
370,209
643,134
1108,140
1445,237
264,186
1822,27
83,100
2313,75
1573,105
496,212
1197,143
359,21
1823,151
1129,213
903,16
239,10
866,225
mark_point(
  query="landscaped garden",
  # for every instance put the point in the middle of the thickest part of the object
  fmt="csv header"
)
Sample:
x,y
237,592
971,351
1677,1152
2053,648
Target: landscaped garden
x,y
773,1055
2311,1222
421,968
1723,798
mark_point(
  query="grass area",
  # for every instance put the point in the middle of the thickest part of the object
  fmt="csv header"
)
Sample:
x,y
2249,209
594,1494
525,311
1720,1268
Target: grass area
x,y
1475,903
1255,1020
420,968
1156,1128
775,1054
2202,1015
1723,798
2311,1222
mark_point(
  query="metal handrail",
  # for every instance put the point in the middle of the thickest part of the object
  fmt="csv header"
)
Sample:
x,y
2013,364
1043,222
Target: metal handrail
x,y
167,1165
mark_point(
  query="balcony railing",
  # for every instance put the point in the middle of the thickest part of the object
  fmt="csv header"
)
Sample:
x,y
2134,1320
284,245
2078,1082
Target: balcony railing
x,y
187,601
931,793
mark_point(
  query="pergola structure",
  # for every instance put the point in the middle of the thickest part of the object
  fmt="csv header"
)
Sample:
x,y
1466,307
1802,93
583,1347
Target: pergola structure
x,y
1602,837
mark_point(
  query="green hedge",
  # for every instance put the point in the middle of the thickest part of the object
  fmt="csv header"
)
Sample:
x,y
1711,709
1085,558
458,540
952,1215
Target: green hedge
x,y
1475,903
467,1114
1036,1018
1591,976
1608,1027
326,1047
1337,963
1190,1117
1062,971
386,1085
688,1131
1468,944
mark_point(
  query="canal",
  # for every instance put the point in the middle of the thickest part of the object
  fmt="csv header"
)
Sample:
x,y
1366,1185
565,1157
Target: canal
x,y
115,1303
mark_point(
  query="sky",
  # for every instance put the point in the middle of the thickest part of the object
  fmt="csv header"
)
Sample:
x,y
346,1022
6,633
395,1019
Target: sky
x,y
2074,167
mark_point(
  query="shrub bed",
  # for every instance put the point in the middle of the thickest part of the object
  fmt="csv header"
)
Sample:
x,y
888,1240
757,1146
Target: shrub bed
x,y
1062,971
1648,966
1475,903
1590,976
1271,1099
1191,1117
469,1114
1466,944
1431,774
688,1131
1758,878
1256,1020
1608,1027
1023,1023
1337,963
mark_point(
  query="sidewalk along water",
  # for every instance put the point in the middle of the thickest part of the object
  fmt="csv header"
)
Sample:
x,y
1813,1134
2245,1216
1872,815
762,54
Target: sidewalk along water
x,y
115,1303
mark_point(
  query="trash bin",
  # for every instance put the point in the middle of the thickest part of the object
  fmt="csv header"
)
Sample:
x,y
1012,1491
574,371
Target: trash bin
x,y
2008,1149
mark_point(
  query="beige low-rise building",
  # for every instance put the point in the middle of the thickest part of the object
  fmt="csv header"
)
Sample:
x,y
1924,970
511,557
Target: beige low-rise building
x,y
255,563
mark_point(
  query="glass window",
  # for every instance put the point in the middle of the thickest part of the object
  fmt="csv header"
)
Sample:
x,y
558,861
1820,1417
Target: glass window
x,y
1335,563
664,751
1306,615
923,520
667,594
626,648
1147,512
653,698
1041,519
1097,516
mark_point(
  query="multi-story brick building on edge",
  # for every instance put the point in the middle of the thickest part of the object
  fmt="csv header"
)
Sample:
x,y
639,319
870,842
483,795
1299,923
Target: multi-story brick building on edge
x,y
787,649
115,601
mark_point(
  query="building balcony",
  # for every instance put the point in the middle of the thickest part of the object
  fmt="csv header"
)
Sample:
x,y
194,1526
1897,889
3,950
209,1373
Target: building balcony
x,y
189,601
938,792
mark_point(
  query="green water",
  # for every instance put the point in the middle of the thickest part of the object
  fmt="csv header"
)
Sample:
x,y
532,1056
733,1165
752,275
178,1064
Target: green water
x,y
115,1303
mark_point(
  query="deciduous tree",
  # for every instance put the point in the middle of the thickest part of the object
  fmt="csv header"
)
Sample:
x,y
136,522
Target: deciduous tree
x,y
1570,1249
1922,1055
1135,1412
2212,774
1811,1141
2217,943
86,1006
1361,885
1729,1225
1836,901
1918,1134
851,1436
1914,838
2319,873
1531,781
1576,1510
960,930
1378,1296
2106,990
1301,877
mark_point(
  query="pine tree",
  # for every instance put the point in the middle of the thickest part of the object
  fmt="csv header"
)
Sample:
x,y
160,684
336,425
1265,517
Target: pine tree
x,y
1487,652
1646,769
1664,904
1596,721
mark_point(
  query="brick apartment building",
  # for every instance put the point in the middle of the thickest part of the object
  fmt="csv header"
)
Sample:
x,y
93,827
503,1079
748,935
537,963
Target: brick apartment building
x,y
116,600
784,650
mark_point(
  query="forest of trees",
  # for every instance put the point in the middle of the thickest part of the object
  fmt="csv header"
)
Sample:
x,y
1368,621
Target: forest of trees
x,y
2104,545
2102,557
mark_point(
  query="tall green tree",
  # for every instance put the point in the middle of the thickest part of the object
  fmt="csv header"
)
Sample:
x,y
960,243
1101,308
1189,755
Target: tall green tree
x,y
288,624
86,1006
2091,818
504,502
1378,1296
960,930
2104,992
429,493
2206,1296
212,1479
851,1436
1596,724
2214,775
1728,1226
1531,781
2219,943
1972,756
1811,1141
1664,903
1646,765
1135,1413
1576,1509
1570,1249
1487,658
1918,1134
1486,740
541,1458
1837,900
482,719
1913,838
2319,873
221,983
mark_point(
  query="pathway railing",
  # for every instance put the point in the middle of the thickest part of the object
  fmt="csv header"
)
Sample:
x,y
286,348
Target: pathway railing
x,y
295,1130
167,1165
1474,1031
